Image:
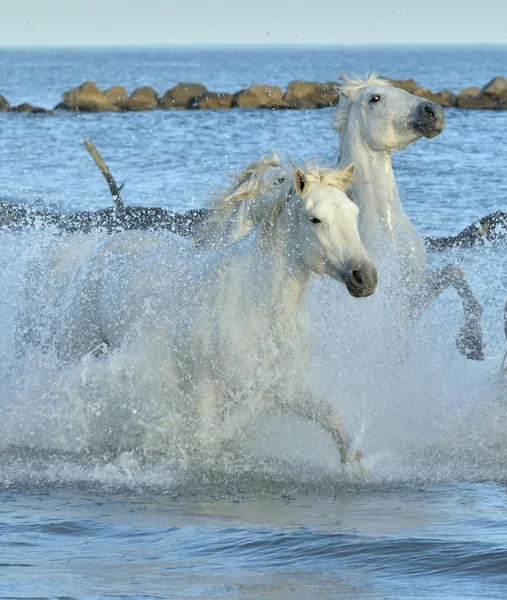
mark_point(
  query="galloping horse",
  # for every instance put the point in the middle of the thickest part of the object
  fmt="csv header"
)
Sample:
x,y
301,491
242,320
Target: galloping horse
x,y
229,324
375,119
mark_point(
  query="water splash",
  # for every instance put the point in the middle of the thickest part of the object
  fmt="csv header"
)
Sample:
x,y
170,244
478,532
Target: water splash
x,y
417,408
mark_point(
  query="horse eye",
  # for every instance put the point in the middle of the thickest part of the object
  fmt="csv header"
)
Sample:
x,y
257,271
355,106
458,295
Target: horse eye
x,y
280,180
314,220
375,98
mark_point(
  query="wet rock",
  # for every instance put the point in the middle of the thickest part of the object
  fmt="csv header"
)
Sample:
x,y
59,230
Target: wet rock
x,y
260,96
211,101
409,85
33,110
116,94
308,94
501,103
496,88
4,105
182,94
145,98
472,98
445,98
470,92
85,98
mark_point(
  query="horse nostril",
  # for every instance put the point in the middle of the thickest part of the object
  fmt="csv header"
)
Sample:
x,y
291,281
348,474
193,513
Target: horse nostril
x,y
357,277
428,110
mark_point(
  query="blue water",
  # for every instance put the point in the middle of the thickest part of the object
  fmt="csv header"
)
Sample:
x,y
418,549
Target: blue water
x,y
425,542
40,76
429,521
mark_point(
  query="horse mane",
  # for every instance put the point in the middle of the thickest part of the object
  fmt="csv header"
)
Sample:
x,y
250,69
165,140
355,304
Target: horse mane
x,y
326,176
243,184
350,89
243,187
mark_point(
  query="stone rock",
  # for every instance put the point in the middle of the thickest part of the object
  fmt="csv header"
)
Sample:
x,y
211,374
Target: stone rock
x,y
445,98
473,98
308,94
501,103
33,110
211,101
4,105
182,94
260,96
85,98
145,98
470,92
116,94
496,88
409,85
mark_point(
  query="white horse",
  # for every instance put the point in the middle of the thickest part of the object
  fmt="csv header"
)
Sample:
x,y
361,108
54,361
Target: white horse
x,y
230,324
375,119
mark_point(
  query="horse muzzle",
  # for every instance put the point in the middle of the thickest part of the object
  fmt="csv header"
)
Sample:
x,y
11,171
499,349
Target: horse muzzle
x,y
361,279
429,119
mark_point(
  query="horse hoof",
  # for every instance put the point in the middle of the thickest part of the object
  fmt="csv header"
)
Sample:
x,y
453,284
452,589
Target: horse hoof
x,y
471,351
470,346
475,355
353,467
352,459
355,456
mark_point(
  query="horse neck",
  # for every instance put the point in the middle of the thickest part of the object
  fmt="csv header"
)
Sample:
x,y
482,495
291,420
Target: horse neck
x,y
258,207
382,220
285,278
376,194
219,232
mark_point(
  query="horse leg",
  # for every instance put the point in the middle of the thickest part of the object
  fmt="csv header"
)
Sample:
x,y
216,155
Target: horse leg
x,y
469,339
313,407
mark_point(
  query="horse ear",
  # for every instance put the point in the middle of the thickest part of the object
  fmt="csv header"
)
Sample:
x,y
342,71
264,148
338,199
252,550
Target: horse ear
x,y
348,175
300,181
275,158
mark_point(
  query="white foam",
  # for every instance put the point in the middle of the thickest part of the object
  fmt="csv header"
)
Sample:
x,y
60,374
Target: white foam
x,y
415,406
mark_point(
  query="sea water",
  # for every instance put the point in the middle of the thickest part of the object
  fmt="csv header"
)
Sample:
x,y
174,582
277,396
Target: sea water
x,y
97,501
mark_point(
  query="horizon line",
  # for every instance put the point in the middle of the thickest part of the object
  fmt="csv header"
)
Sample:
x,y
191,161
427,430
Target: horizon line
x,y
263,45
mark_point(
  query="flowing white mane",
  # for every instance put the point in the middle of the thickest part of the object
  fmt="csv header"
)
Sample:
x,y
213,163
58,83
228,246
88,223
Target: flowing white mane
x,y
350,89
244,185
326,176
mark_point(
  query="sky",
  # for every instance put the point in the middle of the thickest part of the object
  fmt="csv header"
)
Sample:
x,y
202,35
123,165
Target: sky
x,y
221,22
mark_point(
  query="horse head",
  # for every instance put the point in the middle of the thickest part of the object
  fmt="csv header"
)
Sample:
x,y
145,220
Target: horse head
x,y
324,225
385,117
